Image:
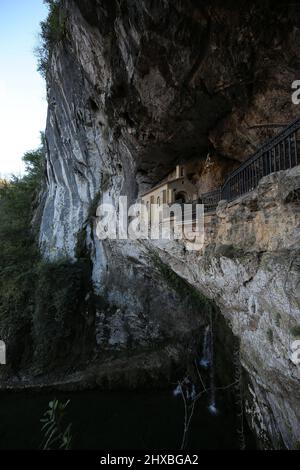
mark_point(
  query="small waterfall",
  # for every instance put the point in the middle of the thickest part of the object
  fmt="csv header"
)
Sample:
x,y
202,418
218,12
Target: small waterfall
x,y
212,399
205,360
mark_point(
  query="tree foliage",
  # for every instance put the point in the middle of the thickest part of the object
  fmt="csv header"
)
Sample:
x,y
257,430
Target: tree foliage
x,y
52,31
41,302
18,251
56,435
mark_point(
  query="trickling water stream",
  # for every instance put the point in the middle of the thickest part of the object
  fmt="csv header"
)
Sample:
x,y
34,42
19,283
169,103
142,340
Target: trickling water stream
x,y
207,362
212,405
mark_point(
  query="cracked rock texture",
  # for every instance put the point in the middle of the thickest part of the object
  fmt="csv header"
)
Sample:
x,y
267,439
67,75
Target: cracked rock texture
x,y
135,87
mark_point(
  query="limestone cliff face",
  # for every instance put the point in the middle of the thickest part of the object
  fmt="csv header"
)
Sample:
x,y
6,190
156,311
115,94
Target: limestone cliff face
x,y
134,88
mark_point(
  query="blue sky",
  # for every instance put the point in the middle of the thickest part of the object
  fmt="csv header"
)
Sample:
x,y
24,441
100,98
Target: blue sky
x,y
23,103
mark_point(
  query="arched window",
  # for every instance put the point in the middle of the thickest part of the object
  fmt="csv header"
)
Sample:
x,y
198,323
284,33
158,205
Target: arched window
x,y
181,198
148,212
158,201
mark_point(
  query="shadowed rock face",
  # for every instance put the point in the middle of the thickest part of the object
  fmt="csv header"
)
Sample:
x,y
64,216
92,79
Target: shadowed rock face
x,y
135,87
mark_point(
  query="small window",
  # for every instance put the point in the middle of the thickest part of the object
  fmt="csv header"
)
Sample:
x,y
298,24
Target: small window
x,y
164,196
158,201
149,213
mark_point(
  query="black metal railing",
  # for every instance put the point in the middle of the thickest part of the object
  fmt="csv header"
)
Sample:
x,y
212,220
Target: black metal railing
x,y
211,199
279,153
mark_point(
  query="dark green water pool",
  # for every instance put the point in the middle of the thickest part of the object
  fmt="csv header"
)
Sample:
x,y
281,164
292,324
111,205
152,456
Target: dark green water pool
x,y
118,420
